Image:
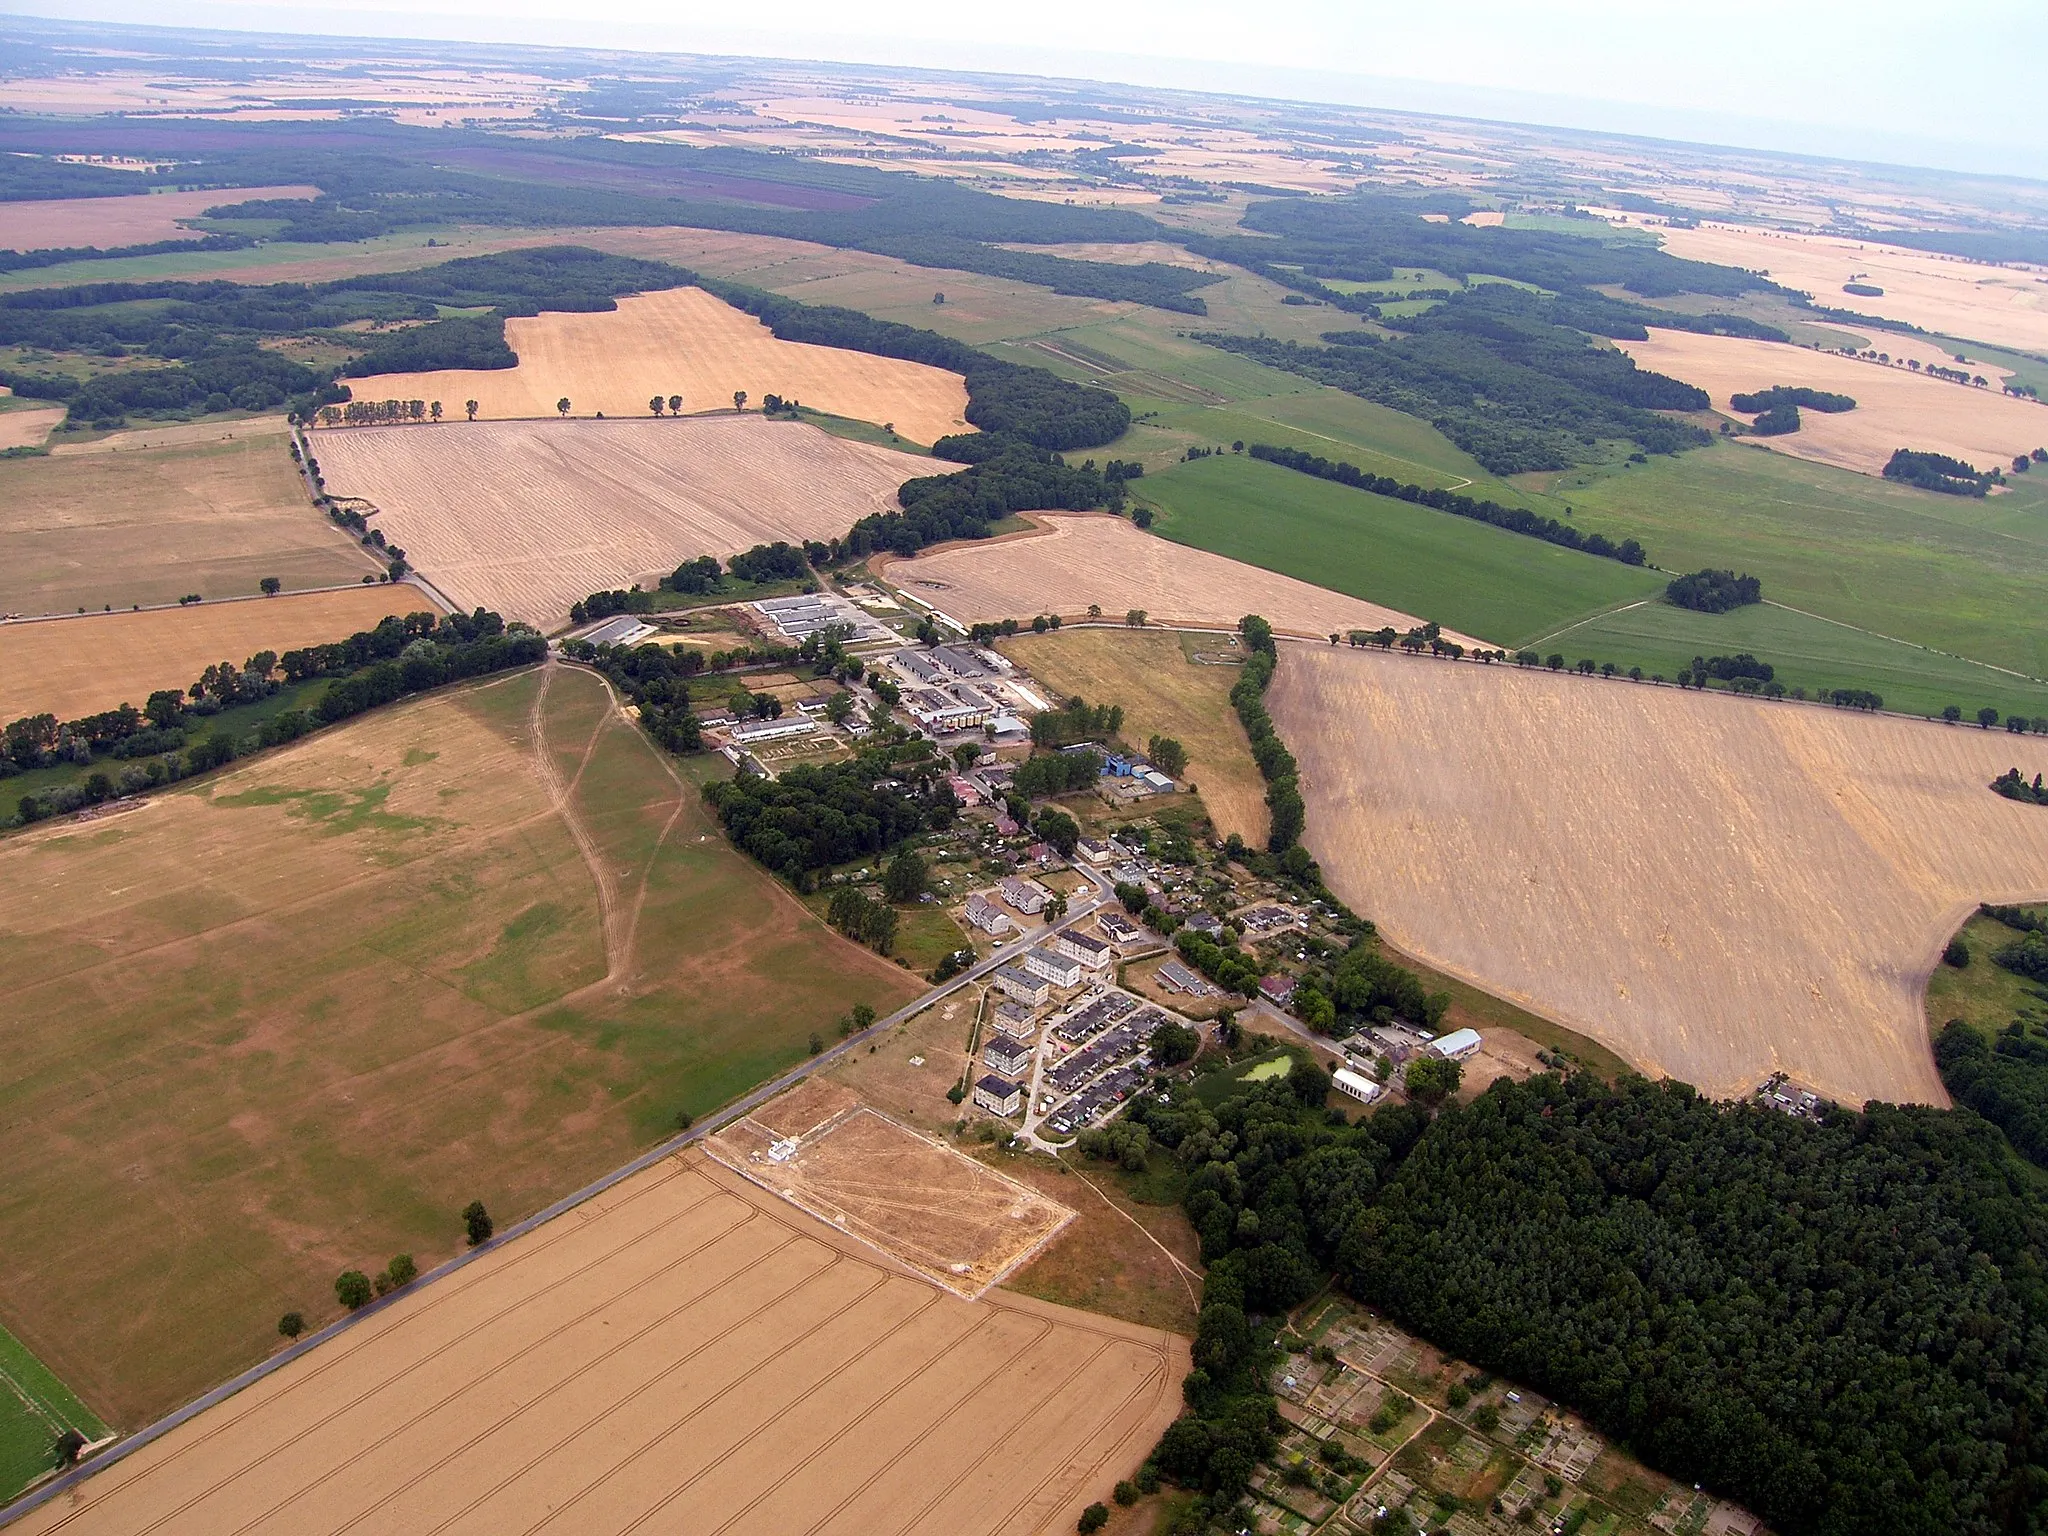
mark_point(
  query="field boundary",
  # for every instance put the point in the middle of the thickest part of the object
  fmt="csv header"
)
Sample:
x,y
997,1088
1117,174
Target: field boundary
x,y
410,579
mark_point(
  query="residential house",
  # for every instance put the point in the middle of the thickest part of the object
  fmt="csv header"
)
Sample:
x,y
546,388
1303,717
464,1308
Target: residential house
x,y
1277,990
985,915
1010,1057
1089,950
1026,896
998,1095
1061,970
1027,988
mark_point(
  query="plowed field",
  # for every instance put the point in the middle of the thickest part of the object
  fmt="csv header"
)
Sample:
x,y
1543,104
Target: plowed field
x,y
688,342
1715,888
1895,407
528,517
683,1354
79,666
1073,560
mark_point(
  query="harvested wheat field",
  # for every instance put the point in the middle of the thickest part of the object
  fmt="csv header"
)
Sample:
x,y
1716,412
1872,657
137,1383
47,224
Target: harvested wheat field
x,y
1715,888
151,525
27,427
688,342
111,222
289,1019
955,1221
529,517
682,1353
1075,559
1895,407
84,664
2003,306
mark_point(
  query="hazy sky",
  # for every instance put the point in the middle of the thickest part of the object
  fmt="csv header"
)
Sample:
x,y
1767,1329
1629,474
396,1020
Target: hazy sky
x,y
1936,82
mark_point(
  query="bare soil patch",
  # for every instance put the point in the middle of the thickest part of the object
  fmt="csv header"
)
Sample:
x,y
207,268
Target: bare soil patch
x,y
110,222
957,1222
684,341
2000,305
1074,559
28,427
80,665
1714,888
119,527
1895,407
530,517
291,1018
682,1353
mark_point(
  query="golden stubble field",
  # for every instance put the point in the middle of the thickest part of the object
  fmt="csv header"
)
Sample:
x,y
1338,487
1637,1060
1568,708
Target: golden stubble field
x,y
128,525
1715,888
80,665
111,222
291,1018
1895,407
529,517
683,1353
2003,306
688,342
1072,560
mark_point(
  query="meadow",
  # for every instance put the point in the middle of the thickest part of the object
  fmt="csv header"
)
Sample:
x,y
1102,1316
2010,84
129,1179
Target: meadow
x,y
1984,995
35,1408
1501,586
291,1018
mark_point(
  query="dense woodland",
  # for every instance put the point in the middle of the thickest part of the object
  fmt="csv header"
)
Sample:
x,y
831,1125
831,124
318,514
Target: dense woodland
x,y
816,816
1514,519
1712,591
1937,472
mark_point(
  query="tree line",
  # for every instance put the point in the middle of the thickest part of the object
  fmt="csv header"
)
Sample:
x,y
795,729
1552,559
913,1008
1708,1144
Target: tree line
x,y
1514,519
1289,815
1937,472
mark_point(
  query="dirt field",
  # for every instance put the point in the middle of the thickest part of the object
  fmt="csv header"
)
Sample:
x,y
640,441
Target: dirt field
x,y
685,1354
177,435
957,1222
684,341
1715,888
26,428
108,222
1895,407
1080,558
292,1018
2001,305
1162,693
529,517
78,666
116,528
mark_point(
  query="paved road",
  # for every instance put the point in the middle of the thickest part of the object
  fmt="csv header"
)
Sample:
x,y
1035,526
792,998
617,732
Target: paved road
x,y
736,1110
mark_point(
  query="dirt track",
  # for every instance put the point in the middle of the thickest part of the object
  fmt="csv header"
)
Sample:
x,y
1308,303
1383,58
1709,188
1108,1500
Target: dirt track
x,y
683,341
1715,888
529,517
1081,558
684,1354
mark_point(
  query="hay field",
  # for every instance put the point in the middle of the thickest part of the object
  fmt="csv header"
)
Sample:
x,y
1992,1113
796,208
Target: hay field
x,y
1162,693
2005,306
1715,888
683,341
28,426
1074,559
293,1017
110,222
953,1220
80,665
530,517
175,435
1895,407
683,1353
125,527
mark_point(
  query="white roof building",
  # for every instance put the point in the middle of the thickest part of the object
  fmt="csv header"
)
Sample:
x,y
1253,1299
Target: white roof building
x,y
1459,1043
1355,1085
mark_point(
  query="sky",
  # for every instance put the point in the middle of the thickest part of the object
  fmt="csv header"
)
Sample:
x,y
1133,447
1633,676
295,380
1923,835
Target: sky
x,y
1942,83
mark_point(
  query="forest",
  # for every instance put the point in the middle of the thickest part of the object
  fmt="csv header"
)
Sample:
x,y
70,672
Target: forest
x,y
815,816
1843,1325
1514,519
1502,375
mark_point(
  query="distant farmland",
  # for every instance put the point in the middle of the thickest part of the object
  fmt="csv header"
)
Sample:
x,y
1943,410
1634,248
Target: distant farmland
x,y
1715,888
684,1353
689,342
293,1017
529,517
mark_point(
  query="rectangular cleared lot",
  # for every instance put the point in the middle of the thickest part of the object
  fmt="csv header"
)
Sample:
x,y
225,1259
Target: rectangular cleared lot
x,y
684,1354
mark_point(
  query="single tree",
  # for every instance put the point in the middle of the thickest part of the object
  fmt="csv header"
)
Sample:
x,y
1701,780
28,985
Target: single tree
x,y
817,1043
1957,953
938,298
739,399
477,1221
675,405
270,586
863,1016
654,404
352,1289
291,1325
1095,610
839,708
1093,1518
1135,618
1056,909
1952,713
1431,1079
1987,717
470,407
434,409
906,878
1168,756
401,1270
67,1448
562,406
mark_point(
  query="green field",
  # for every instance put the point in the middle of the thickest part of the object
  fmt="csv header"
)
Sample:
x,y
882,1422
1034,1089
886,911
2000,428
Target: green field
x,y
1983,995
1949,572
35,1408
1808,652
1500,586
